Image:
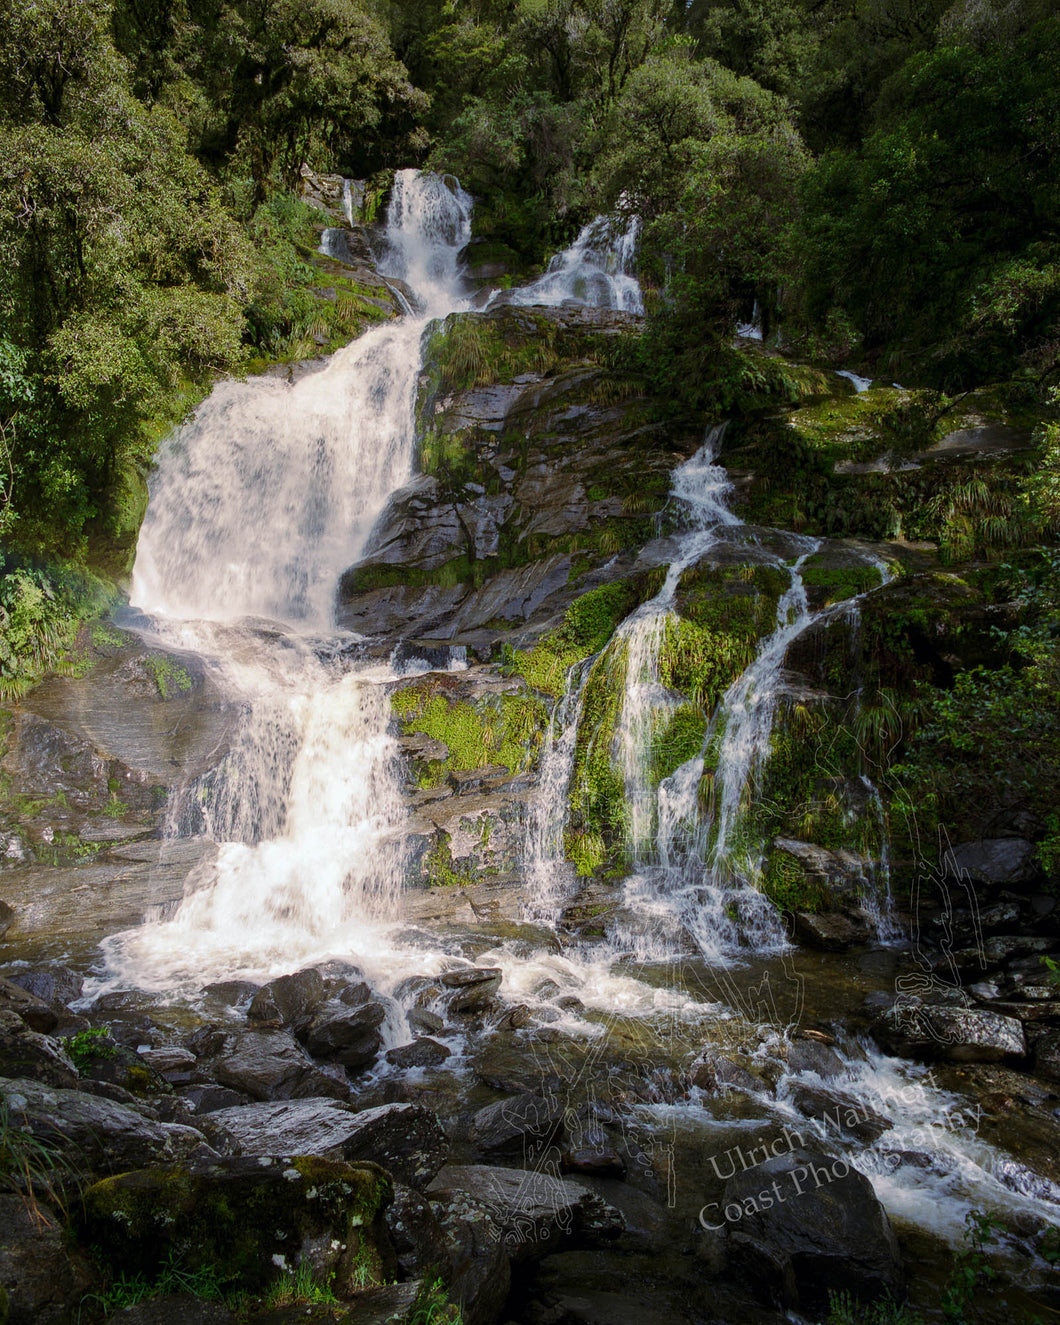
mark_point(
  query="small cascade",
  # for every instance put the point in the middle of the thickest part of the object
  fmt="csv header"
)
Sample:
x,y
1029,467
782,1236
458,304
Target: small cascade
x,y
597,270
440,219
746,719
700,489
548,874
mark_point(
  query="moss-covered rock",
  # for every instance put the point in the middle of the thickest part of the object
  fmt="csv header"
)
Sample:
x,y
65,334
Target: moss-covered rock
x,y
248,1219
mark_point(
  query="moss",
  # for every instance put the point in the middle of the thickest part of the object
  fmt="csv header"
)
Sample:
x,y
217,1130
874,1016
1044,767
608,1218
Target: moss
x,y
677,741
169,677
599,816
586,850
439,870
497,729
241,1218
588,624
839,582
789,887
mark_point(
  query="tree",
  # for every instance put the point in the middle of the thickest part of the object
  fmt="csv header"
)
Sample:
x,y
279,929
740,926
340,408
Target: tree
x,y
942,234
287,81
120,271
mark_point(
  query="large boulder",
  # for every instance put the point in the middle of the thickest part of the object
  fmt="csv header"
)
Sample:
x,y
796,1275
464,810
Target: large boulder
x,y
26,1053
998,862
178,1309
511,1126
481,1273
805,1224
45,1279
95,1133
537,1214
406,1139
270,1065
419,1240
54,984
963,1035
289,999
250,1219
34,1011
339,1027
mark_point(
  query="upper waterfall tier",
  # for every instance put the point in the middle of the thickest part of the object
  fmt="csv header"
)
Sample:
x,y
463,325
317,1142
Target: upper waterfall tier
x,y
262,499
597,270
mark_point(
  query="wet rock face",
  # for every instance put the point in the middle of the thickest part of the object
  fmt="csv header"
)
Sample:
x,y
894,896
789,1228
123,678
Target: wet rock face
x,y
103,1135
536,1213
1001,862
405,1138
518,475
481,1273
805,1224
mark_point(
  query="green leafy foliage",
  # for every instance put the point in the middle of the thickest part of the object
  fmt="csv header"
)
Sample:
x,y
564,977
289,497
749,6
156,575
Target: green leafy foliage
x,y
989,738
933,236
86,1046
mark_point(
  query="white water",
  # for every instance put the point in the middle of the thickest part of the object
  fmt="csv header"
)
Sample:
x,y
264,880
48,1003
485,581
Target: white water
x,y
700,490
860,383
549,877
259,504
596,270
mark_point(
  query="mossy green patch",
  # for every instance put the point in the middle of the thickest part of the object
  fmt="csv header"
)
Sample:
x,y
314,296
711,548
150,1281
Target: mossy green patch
x,y
505,729
789,887
247,1219
440,870
839,582
677,740
598,823
169,677
588,624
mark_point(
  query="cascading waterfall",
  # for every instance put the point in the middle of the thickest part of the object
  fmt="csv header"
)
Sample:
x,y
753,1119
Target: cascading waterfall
x,y
548,874
596,270
700,489
258,505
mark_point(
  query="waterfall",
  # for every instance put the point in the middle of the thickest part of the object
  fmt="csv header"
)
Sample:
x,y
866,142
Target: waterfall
x,y
548,874
596,270
700,490
258,504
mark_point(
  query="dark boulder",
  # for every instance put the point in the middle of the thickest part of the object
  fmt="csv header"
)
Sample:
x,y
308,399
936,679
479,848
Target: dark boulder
x,y
180,1309
406,1139
270,1065
35,1012
289,1000
998,862
423,1052
249,1219
419,1240
473,989
481,1273
524,1124
94,1133
961,1034
537,1214
53,984
339,1026
805,1224
26,1053
45,1278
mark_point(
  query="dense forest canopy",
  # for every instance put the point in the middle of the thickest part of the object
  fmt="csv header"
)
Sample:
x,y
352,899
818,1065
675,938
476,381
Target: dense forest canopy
x,y
876,177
